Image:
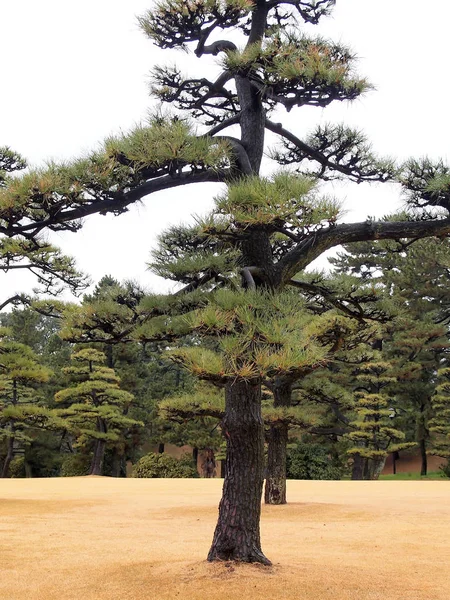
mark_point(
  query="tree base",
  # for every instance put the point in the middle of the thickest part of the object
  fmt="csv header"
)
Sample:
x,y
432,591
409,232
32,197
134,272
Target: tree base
x,y
251,556
275,491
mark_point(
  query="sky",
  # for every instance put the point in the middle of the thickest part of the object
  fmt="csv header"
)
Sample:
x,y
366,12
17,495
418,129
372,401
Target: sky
x,y
74,72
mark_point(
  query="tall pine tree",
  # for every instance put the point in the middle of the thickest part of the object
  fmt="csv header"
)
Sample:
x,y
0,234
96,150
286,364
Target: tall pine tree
x,y
279,225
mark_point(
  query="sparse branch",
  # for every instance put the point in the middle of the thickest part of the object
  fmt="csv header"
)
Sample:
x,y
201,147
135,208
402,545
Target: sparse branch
x,y
14,300
311,12
336,161
329,297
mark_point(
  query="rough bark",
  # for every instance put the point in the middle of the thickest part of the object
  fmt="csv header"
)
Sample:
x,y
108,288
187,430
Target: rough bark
x,y
97,459
358,467
375,468
275,488
237,535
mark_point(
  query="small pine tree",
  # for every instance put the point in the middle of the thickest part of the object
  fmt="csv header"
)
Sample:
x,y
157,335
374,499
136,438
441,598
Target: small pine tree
x,y
22,409
95,406
374,435
440,423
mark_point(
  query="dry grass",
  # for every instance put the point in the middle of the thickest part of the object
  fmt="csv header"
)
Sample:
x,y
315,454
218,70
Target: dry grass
x,y
102,539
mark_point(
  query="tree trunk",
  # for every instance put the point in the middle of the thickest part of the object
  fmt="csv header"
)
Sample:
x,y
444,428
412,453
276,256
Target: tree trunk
x,y
275,488
8,458
395,457
97,459
237,534
423,454
423,434
118,464
358,468
375,468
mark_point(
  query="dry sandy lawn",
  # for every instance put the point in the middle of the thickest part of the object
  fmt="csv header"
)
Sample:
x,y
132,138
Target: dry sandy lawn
x,y
94,538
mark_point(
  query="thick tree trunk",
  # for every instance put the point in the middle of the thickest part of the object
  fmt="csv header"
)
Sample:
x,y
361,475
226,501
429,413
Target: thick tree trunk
x,y
275,488
375,468
359,464
237,534
97,459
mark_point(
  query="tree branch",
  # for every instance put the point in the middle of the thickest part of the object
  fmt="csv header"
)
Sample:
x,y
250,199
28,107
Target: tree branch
x,y
328,296
311,152
227,123
15,300
316,243
121,201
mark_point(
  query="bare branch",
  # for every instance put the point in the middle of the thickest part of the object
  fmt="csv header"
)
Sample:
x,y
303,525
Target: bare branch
x,y
315,244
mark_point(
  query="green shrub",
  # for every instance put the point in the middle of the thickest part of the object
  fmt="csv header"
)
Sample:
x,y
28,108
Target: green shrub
x,y
163,465
75,465
17,467
311,461
445,469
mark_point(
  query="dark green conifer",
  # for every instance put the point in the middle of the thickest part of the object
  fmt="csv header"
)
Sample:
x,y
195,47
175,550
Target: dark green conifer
x,y
94,405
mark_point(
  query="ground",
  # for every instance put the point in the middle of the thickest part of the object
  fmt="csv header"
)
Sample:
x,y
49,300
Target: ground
x,y
95,538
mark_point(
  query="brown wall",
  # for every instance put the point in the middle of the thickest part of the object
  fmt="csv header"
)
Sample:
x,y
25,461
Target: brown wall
x,y
411,463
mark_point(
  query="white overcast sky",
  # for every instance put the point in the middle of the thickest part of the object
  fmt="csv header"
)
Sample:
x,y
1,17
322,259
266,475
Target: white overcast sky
x,y
75,72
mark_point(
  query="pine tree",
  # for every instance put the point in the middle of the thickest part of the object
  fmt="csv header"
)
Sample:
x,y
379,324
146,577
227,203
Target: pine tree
x,y
374,435
189,257
440,423
415,276
23,411
51,268
95,406
278,225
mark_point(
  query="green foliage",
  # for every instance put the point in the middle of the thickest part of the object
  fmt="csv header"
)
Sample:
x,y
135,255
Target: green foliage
x,y
165,141
162,465
95,407
374,434
415,341
284,197
75,465
9,161
440,423
312,461
160,146
175,22
23,410
256,334
314,70
445,470
17,468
